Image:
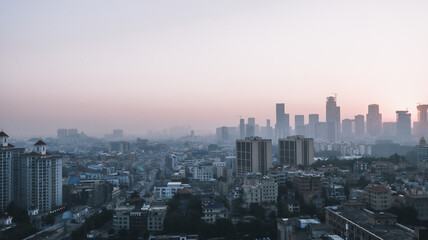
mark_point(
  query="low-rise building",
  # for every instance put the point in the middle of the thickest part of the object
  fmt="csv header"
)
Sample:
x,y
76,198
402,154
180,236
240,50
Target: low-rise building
x,y
303,228
366,225
156,217
335,192
168,191
292,205
203,172
259,189
309,188
138,219
121,217
214,210
175,237
5,219
378,197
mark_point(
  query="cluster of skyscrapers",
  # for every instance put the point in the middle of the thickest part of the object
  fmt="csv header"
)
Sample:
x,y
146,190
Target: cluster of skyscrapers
x,y
365,128
33,180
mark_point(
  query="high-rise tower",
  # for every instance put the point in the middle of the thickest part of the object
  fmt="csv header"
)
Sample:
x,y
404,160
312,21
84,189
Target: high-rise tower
x,y
253,154
280,120
359,125
40,179
9,157
421,126
374,120
403,125
332,119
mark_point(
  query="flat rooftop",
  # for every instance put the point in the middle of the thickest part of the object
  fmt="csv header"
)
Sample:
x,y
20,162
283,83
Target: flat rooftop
x,y
390,232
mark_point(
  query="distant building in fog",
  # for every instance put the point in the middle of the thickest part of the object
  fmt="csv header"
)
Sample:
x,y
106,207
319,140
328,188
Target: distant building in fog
x,y
282,126
388,129
280,121
222,134
299,124
122,147
62,133
242,128
321,130
250,130
266,132
332,119
403,125
313,121
374,120
359,125
421,126
118,133
347,128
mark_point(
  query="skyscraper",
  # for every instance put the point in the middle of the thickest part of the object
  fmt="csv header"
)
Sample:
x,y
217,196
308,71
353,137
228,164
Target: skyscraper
x,y
421,126
250,130
9,156
241,128
403,125
267,131
280,120
374,120
299,124
222,134
62,133
359,125
313,121
332,119
286,125
296,150
253,154
347,128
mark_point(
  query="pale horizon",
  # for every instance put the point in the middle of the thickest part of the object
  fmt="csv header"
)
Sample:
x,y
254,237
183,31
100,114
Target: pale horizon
x,y
140,65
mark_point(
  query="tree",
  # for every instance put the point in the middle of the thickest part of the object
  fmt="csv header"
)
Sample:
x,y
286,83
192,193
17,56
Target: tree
x,y
19,215
123,234
50,219
406,215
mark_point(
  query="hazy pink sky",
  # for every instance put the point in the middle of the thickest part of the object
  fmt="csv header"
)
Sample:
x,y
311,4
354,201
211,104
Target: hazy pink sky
x,y
140,65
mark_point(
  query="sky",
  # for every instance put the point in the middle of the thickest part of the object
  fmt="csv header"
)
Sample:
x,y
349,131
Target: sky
x,y
139,65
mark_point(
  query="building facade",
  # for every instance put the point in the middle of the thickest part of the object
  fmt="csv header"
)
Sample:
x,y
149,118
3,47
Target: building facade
x,y
253,154
296,150
9,160
374,120
40,179
378,197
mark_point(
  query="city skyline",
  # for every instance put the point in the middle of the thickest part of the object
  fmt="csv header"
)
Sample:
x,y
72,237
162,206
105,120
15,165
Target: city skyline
x,y
103,65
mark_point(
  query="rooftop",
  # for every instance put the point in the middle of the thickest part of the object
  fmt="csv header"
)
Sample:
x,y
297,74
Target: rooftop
x,y
360,217
3,134
40,142
378,188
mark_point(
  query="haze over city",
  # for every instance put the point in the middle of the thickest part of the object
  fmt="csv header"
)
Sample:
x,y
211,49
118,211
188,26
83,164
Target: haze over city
x,y
214,120
101,65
